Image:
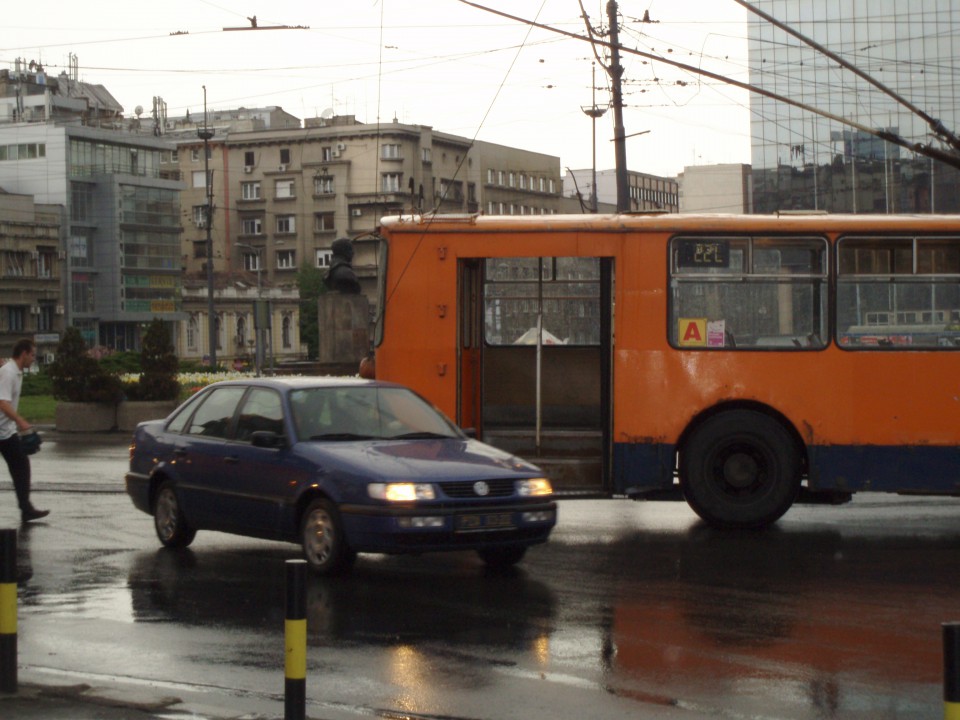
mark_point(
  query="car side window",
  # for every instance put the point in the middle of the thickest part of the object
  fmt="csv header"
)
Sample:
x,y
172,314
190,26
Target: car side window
x,y
213,417
261,410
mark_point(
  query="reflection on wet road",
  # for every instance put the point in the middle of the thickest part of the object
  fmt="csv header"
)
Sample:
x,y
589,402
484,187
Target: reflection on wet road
x,y
633,609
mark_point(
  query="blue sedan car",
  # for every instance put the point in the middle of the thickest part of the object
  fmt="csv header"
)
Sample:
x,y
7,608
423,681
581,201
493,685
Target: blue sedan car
x,y
340,466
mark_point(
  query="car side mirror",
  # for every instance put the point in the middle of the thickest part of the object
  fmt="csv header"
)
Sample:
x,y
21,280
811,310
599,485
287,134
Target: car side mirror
x,y
267,439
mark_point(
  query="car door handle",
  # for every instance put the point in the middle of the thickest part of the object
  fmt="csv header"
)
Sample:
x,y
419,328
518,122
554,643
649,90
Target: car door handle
x,y
232,459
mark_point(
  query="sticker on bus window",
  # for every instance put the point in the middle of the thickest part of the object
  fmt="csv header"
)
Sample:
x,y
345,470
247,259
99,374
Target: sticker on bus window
x,y
693,332
700,332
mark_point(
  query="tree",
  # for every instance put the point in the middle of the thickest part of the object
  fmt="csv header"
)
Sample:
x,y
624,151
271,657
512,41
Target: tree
x,y
310,284
77,377
159,363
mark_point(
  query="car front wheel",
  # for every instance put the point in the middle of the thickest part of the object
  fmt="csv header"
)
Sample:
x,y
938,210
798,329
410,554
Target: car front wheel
x,y
172,528
324,545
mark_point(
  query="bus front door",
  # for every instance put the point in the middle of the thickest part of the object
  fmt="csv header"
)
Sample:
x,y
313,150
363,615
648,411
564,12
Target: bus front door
x,y
535,358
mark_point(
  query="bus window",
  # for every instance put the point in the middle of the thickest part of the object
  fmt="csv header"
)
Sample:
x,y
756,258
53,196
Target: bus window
x,y
748,293
896,293
565,290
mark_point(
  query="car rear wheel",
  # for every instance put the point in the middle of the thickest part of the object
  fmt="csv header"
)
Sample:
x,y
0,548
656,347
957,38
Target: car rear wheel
x,y
324,545
172,528
502,557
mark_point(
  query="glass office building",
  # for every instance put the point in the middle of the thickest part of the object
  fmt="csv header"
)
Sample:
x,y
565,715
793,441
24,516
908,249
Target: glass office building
x,y
803,161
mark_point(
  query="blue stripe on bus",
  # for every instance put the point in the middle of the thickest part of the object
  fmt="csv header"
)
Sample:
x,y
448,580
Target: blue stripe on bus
x,y
639,467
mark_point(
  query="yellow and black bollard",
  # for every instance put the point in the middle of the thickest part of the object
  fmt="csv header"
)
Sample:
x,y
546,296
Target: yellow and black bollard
x,y
8,611
951,671
295,630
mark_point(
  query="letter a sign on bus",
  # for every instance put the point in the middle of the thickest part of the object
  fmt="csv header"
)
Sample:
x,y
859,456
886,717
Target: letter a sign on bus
x,y
693,332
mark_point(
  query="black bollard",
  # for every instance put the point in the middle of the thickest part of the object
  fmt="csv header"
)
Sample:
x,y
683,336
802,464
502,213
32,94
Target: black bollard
x,y
8,611
951,671
295,631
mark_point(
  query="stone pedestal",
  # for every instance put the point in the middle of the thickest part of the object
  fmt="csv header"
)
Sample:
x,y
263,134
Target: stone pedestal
x,y
344,328
85,417
132,412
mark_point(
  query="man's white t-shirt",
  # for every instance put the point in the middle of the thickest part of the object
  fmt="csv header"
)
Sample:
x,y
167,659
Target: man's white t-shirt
x,y
11,380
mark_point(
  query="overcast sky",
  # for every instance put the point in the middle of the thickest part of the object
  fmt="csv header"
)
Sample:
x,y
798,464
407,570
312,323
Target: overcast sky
x,y
441,63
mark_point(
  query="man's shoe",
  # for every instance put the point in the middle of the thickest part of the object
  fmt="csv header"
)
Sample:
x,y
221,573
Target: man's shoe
x,y
33,514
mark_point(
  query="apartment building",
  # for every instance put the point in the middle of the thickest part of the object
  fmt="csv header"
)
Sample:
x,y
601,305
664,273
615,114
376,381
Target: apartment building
x,y
31,261
282,195
647,193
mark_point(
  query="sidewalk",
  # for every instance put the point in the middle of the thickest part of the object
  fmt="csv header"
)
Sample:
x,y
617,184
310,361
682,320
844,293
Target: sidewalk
x,y
83,702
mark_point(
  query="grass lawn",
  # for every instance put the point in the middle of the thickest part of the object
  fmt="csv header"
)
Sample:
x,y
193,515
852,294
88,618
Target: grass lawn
x,y
38,409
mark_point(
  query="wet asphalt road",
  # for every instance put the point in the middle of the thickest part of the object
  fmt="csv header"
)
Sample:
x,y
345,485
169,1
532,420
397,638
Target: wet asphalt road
x,y
632,610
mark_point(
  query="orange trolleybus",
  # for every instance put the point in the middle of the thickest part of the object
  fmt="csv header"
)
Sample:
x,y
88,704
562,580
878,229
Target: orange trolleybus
x,y
746,361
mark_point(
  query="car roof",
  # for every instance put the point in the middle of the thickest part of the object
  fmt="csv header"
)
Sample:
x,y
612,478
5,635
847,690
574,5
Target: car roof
x,y
295,382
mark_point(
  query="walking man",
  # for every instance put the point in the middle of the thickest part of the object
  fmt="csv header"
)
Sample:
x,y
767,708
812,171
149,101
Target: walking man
x,y
11,423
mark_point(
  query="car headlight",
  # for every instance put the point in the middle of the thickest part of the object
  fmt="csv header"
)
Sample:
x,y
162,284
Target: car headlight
x,y
401,492
533,487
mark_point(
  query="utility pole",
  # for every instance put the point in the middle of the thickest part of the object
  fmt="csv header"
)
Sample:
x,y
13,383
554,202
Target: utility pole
x,y
594,112
205,135
619,139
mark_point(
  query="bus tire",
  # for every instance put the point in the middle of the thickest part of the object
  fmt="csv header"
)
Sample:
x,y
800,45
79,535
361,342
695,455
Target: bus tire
x,y
740,469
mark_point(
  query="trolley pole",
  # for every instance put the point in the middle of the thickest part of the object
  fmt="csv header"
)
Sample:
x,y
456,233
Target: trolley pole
x,y
951,671
8,611
295,630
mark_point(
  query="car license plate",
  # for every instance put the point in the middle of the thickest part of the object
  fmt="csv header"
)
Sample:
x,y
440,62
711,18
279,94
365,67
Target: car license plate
x,y
485,521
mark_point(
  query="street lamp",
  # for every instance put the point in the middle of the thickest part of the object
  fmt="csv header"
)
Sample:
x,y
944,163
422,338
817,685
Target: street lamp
x,y
594,112
257,324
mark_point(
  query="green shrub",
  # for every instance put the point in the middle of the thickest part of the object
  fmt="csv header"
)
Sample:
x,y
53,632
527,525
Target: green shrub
x,y
118,363
159,365
36,383
77,377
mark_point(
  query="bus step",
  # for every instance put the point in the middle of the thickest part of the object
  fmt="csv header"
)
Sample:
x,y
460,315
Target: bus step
x,y
571,475
553,443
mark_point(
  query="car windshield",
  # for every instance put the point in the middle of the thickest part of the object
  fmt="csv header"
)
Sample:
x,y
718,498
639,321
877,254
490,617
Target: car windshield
x,y
363,413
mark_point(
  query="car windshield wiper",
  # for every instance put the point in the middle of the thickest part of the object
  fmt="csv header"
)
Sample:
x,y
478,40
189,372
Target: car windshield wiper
x,y
341,436
421,436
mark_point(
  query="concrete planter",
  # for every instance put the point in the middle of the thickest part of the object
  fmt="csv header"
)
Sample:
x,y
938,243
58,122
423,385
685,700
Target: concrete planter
x,y
85,417
132,412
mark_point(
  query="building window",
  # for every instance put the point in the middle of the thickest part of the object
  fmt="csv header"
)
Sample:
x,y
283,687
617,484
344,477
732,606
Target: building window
x,y
323,222
286,224
45,259
392,182
15,318
252,226
284,189
251,261
194,154
390,152
200,215
14,263
193,329
285,332
323,185
286,259
198,178
326,153
284,156
248,158
250,190
241,332
491,176
81,293
553,186
426,155
45,317
324,258
81,202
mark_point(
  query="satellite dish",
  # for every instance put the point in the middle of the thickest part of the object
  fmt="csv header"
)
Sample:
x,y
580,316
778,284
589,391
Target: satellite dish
x,y
138,110
328,113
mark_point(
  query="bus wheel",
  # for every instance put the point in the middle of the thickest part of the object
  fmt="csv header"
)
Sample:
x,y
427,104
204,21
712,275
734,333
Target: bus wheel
x,y
740,469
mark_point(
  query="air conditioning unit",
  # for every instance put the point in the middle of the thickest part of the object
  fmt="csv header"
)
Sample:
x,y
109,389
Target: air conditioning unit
x,y
334,153
248,169
282,168
201,223
341,147
356,212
